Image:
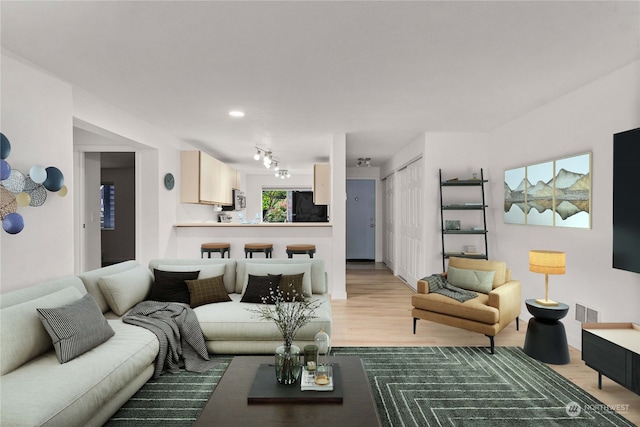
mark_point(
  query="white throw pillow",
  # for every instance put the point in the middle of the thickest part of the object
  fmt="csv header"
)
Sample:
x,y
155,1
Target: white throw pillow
x,y
257,269
22,334
124,290
206,271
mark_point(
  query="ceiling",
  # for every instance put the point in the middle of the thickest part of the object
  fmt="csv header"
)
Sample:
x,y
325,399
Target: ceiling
x,y
382,72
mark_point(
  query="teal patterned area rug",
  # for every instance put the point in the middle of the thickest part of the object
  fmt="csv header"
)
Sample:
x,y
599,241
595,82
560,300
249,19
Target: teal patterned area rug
x,y
413,386
171,400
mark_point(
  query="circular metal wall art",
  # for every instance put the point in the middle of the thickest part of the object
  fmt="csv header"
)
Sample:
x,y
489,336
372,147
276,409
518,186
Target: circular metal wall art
x,y
9,204
15,182
37,192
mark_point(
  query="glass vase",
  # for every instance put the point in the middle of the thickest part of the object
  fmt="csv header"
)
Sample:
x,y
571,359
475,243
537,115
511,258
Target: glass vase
x,y
288,364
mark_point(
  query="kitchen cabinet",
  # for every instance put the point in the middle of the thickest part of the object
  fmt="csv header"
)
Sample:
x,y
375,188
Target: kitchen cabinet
x,y
322,184
205,179
227,181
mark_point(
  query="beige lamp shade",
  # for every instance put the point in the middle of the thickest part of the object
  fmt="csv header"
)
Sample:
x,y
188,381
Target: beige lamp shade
x,y
547,262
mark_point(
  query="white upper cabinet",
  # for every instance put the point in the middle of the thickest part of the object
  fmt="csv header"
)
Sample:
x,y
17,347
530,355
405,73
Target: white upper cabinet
x,y
205,179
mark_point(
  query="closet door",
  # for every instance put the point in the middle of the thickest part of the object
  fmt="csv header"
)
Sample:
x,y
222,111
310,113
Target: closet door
x,y
410,242
388,222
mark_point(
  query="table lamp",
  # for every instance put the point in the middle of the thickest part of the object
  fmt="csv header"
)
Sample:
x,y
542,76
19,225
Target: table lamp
x,y
546,262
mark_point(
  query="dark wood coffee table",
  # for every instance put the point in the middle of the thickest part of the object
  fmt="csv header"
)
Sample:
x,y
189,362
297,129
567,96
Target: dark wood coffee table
x,y
228,404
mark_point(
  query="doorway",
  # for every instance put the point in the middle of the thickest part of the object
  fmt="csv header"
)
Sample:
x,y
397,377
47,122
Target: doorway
x,y
117,207
361,220
109,212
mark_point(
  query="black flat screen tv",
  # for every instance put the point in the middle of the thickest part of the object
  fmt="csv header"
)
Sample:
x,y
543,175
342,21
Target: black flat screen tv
x,y
626,200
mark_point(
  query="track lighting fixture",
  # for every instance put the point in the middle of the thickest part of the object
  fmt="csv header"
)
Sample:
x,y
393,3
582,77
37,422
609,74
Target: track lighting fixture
x,y
282,174
268,161
364,161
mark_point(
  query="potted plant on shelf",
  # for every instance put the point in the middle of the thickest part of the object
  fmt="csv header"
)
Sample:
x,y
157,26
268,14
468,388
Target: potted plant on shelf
x,y
289,312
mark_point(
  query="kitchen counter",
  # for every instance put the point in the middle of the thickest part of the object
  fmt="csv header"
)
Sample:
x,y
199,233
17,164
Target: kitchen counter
x,y
263,224
190,235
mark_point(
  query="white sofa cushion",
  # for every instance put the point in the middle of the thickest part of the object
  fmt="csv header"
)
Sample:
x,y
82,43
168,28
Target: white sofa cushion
x,y
20,326
318,274
233,321
124,290
91,279
206,271
97,376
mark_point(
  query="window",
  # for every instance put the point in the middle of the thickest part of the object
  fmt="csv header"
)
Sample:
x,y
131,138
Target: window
x,y
287,205
276,205
107,207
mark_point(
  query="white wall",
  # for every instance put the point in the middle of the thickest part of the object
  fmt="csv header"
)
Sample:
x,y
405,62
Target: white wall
x,y
37,119
38,116
579,122
458,155
156,154
338,216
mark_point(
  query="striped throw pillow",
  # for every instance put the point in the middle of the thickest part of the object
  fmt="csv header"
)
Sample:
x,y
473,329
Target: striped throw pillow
x,y
75,328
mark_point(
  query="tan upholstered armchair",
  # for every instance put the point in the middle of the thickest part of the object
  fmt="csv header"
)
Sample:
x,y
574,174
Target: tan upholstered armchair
x,y
488,313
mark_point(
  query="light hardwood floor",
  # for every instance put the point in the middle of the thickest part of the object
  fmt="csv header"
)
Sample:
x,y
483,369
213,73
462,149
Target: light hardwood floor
x,y
377,312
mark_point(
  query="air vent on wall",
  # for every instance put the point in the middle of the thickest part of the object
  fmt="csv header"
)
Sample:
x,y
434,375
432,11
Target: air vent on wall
x,y
586,314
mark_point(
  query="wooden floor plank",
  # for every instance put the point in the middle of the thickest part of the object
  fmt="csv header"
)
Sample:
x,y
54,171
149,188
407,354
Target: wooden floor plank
x,y
377,312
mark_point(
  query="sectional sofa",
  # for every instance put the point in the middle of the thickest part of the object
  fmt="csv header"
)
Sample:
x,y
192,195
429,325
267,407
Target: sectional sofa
x,y
37,389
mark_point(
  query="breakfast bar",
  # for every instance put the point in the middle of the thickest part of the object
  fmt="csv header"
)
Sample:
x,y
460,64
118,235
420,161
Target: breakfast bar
x,y
191,235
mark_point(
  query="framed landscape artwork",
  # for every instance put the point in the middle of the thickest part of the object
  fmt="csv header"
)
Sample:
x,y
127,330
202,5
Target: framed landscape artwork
x,y
555,193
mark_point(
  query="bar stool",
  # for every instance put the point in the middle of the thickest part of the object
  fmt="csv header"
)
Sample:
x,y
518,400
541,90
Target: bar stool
x,y
250,248
215,247
301,249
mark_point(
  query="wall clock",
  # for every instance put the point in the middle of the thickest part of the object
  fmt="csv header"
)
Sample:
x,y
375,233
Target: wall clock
x,y
169,181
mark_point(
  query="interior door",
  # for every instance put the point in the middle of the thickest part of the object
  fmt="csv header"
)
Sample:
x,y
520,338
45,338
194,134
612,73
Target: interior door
x,y
90,232
361,220
411,225
388,251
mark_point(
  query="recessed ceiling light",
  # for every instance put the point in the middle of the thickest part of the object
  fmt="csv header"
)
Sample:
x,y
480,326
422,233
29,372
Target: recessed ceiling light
x,y
236,113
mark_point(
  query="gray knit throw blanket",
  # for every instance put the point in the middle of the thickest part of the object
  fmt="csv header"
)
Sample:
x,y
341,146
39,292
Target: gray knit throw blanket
x,y
439,285
178,331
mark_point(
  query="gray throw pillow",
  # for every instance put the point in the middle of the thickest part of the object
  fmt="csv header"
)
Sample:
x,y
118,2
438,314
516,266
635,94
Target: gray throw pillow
x,y
472,280
75,328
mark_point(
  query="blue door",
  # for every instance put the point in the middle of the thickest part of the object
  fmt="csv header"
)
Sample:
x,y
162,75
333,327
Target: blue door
x,y
361,219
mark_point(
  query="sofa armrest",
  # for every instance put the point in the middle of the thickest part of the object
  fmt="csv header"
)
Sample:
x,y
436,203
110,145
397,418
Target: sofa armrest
x,y
423,287
507,299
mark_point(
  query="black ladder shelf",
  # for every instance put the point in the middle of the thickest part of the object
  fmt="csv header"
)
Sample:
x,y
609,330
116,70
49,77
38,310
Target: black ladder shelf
x,y
472,206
